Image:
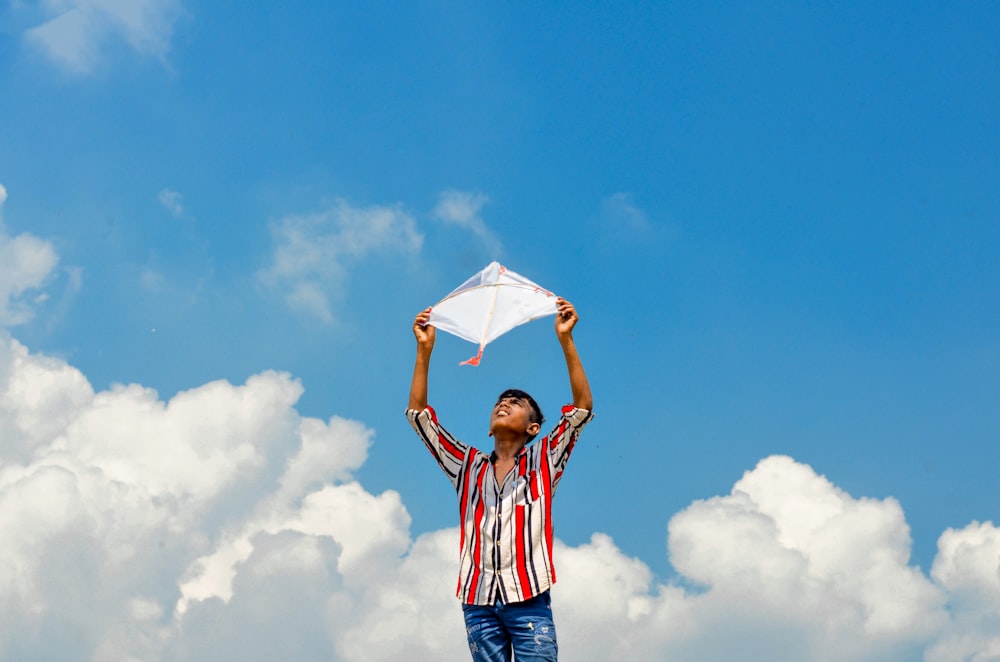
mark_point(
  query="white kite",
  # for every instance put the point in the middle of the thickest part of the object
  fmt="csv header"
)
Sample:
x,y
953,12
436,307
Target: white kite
x,y
490,304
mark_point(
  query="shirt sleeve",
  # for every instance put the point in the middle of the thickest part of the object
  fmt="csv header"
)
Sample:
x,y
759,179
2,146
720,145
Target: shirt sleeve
x,y
449,452
560,442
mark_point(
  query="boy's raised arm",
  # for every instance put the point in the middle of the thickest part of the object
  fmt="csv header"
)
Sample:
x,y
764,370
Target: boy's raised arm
x,y
424,333
566,319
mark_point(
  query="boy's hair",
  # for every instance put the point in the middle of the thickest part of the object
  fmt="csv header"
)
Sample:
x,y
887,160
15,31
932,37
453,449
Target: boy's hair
x,y
536,411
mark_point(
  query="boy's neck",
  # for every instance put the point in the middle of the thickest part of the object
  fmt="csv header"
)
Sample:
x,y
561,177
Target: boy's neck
x,y
508,448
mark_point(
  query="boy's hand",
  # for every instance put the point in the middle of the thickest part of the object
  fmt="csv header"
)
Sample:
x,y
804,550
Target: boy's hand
x,y
566,318
422,331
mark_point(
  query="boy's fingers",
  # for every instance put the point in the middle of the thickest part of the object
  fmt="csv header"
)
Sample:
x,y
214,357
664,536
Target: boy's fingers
x,y
567,310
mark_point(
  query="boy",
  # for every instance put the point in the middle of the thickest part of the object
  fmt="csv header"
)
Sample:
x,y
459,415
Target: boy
x,y
504,503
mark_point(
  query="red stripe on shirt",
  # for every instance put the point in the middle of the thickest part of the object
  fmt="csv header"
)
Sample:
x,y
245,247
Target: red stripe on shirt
x,y
522,543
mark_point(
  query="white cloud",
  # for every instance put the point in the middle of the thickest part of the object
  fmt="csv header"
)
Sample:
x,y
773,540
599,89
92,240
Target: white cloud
x,y
78,32
461,208
968,567
107,499
824,571
172,201
278,610
621,216
313,254
26,264
223,524
39,396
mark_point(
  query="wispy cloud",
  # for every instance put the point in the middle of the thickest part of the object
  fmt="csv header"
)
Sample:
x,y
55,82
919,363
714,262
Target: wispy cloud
x,y
313,254
224,523
461,209
26,265
77,32
172,201
620,214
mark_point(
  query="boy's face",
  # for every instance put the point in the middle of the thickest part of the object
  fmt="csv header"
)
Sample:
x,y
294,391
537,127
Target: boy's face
x,y
513,414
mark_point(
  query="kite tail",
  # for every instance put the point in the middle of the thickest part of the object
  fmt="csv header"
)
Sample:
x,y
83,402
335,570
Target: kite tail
x,y
475,359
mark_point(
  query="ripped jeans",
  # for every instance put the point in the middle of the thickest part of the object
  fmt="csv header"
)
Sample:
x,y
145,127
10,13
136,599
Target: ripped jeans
x,y
522,628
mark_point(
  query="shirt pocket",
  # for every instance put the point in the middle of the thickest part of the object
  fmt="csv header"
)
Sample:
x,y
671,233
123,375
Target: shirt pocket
x,y
527,490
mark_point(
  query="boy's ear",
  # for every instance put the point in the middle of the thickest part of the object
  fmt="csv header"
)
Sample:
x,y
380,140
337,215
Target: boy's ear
x,y
533,429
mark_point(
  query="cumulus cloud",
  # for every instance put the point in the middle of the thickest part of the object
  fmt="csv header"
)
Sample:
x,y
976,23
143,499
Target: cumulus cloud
x,y
968,568
77,33
825,574
461,209
313,254
223,524
26,264
108,500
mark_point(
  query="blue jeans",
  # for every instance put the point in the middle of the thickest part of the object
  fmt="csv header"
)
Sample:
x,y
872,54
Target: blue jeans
x,y
522,628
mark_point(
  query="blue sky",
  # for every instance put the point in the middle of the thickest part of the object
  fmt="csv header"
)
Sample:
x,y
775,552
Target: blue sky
x,y
779,223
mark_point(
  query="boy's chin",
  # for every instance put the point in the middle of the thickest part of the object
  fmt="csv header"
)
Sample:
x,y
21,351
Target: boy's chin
x,y
503,428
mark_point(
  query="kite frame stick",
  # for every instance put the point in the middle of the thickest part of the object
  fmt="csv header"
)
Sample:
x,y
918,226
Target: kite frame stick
x,y
486,328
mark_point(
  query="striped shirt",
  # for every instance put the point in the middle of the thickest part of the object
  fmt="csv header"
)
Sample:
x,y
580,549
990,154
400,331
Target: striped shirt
x,y
506,528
